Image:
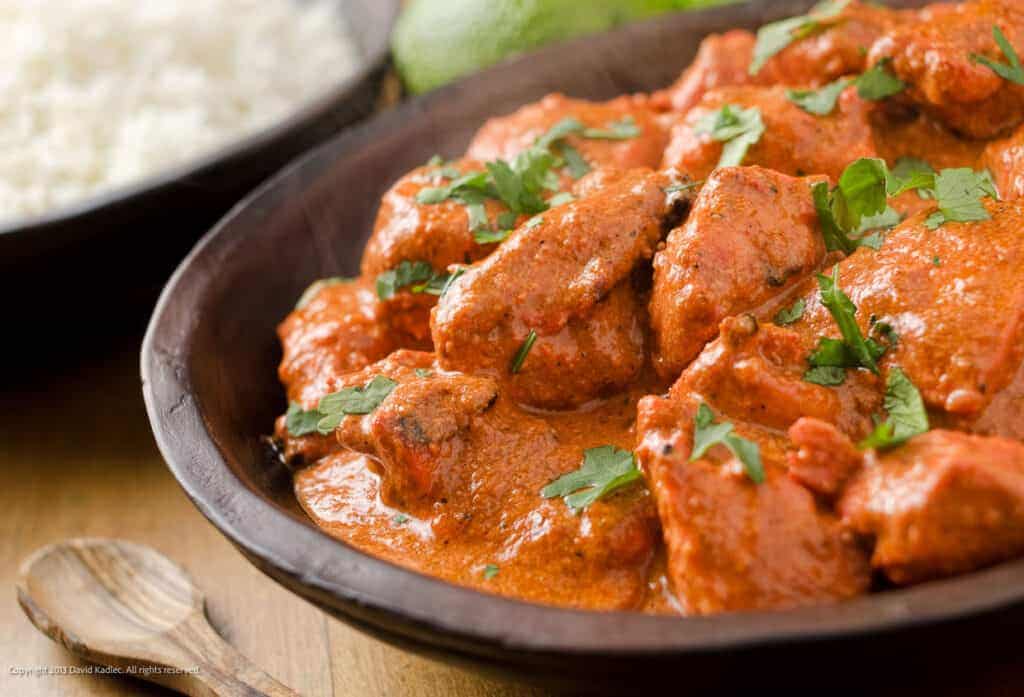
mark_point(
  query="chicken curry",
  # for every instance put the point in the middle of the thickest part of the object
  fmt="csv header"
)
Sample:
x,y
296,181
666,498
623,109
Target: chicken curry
x,y
755,341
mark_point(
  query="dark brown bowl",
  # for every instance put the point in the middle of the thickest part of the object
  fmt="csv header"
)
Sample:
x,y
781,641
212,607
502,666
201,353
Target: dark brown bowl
x,y
208,367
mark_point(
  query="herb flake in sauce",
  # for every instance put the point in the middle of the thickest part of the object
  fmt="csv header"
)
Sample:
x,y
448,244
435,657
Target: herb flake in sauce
x,y
605,469
707,433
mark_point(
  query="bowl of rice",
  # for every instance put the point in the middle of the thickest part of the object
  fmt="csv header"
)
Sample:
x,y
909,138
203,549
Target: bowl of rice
x,y
127,128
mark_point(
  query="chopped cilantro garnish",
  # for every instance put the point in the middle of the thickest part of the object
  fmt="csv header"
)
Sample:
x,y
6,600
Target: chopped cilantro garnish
x,y
300,422
334,407
475,182
490,236
959,193
562,197
574,161
707,433
1013,71
314,289
772,38
604,470
878,82
821,101
860,203
789,315
735,126
674,188
907,414
424,372
915,169
352,400
936,261
407,273
826,375
623,129
490,571
524,349
865,351
400,519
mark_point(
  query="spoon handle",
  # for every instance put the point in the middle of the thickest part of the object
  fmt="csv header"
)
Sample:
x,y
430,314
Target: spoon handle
x,y
222,671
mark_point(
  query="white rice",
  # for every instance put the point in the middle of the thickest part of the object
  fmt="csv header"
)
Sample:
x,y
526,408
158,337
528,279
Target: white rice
x,y
96,94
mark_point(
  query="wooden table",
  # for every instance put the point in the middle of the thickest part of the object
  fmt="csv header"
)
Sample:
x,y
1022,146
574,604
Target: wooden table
x,y
78,459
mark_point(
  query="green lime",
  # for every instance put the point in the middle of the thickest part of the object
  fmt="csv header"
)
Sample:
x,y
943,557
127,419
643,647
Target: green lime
x,y
436,41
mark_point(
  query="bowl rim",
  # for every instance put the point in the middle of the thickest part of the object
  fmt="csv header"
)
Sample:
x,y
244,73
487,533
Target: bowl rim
x,y
420,610
317,106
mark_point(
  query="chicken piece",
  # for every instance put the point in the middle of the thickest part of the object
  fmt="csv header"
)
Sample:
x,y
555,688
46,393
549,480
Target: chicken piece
x,y
438,233
898,134
733,544
840,49
452,451
824,458
318,367
752,234
1005,160
954,296
567,279
753,372
934,57
723,60
942,504
338,330
506,136
794,142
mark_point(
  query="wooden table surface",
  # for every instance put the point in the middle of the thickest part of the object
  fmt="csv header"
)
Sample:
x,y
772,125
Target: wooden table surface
x,y
78,459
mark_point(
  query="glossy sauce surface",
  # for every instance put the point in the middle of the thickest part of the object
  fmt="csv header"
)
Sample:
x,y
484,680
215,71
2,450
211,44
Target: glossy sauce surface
x,y
634,322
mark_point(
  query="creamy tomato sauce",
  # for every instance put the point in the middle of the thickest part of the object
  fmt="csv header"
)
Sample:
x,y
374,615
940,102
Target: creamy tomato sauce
x,y
752,342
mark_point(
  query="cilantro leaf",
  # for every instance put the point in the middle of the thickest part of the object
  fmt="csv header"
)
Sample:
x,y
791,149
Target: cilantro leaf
x,y
825,375
490,571
604,470
405,274
490,236
735,126
474,181
561,198
774,37
314,289
878,82
352,400
959,193
821,101
862,192
1013,72
707,433
574,161
524,349
789,315
562,129
913,169
623,129
300,422
907,414
860,203
842,309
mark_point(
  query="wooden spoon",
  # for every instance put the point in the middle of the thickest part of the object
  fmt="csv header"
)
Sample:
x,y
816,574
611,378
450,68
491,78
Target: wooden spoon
x,y
127,606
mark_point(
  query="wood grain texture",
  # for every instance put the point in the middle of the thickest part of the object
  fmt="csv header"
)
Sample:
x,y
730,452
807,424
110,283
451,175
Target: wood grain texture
x,y
78,459
124,605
